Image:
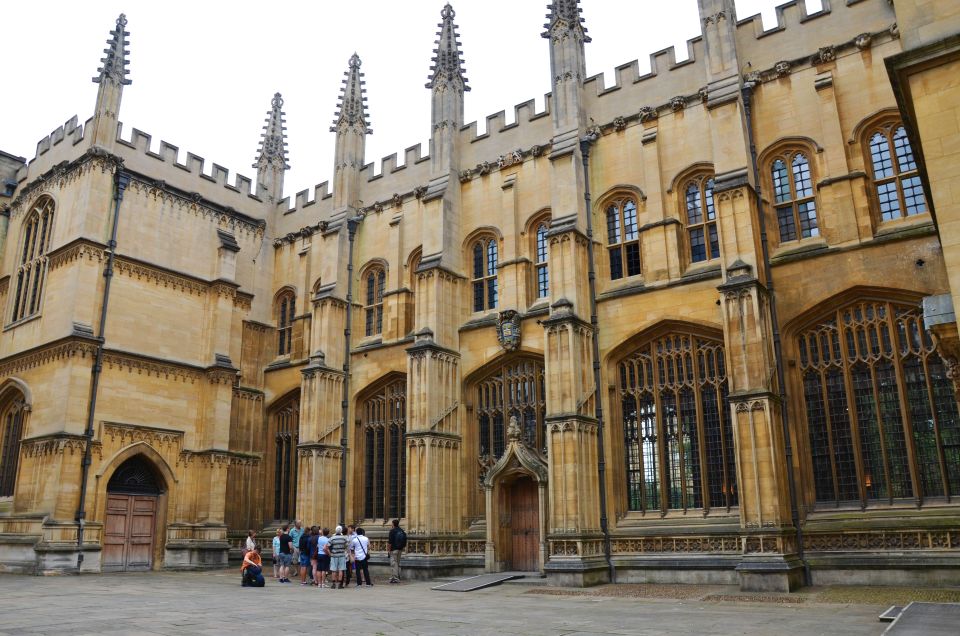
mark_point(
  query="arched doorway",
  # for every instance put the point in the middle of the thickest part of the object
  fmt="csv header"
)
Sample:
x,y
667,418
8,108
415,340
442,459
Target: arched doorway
x,y
523,502
133,494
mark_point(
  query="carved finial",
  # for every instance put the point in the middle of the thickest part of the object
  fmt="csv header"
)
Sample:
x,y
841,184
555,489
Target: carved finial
x,y
564,15
115,61
447,68
352,105
514,433
273,143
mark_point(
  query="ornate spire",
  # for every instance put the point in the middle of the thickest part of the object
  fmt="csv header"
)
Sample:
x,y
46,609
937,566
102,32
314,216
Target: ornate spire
x,y
564,14
115,62
447,61
273,143
352,106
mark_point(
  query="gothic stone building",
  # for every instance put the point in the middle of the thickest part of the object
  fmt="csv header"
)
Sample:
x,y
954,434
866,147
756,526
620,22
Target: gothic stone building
x,y
694,326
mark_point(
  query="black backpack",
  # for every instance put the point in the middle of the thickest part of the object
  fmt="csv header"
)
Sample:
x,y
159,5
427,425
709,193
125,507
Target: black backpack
x,y
400,539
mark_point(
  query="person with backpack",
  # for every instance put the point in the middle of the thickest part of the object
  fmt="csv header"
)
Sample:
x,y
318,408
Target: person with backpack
x,y
251,572
396,542
312,548
360,547
303,549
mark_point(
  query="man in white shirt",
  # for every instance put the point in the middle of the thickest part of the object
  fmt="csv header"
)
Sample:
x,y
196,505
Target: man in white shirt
x,y
360,548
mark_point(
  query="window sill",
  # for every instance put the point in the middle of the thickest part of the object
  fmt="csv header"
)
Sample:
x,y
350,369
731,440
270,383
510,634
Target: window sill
x,y
22,321
693,518
702,267
904,225
800,246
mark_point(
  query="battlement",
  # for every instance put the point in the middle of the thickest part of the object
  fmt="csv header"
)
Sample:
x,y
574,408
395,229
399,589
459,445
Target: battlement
x,y
188,176
52,150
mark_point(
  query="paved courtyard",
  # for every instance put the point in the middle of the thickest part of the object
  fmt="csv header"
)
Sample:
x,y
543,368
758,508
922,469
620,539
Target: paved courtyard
x,y
214,603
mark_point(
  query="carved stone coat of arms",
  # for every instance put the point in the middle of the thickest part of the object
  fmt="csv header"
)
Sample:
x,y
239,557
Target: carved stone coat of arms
x,y
508,330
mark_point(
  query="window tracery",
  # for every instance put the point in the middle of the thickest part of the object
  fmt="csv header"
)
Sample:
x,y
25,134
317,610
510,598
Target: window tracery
x,y
286,422
374,283
541,267
896,181
623,238
384,423
794,201
11,433
515,388
701,217
286,310
485,255
32,267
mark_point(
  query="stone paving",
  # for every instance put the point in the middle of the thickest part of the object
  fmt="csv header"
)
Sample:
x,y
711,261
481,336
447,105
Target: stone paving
x,y
214,603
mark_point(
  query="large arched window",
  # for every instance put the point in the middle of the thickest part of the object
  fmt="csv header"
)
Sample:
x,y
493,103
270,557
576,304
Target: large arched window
x,y
32,266
678,439
515,388
623,238
286,423
485,263
701,218
286,309
384,423
896,182
374,282
11,432
881,414
794,200
541,268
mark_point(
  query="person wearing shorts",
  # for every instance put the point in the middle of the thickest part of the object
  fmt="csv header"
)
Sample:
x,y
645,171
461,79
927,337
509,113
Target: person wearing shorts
x,y
276,554
323,557
286,554
337,549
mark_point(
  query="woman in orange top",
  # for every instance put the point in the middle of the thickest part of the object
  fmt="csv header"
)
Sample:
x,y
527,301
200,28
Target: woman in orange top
x,y
252,568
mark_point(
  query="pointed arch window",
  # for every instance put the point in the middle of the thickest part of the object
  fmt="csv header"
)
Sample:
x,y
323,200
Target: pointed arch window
x,y
514,389
384,424
286,310
11,433
701,218
485,255
286,423
678,438
896,182
794,200
374,282
881,413
623,238
541,266
32,267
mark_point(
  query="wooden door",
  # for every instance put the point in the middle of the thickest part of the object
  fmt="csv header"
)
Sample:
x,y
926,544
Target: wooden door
x,y
129,531
525,525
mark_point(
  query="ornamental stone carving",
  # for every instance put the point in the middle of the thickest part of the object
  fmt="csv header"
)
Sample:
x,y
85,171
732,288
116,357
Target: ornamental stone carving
x,y
863,41
619,123
782,69
647,113
678,103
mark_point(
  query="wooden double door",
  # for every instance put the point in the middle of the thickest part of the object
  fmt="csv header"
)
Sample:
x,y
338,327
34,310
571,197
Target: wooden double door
x,y
129,532
525,525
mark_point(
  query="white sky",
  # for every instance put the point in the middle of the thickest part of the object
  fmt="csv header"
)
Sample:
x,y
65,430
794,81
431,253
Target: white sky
x,y
204,72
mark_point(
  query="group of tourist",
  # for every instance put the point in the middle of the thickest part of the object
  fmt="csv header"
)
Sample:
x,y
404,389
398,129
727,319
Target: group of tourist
x,y
319,558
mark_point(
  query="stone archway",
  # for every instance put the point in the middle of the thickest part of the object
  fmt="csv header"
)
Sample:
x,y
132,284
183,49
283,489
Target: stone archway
x,y
131,522
516,494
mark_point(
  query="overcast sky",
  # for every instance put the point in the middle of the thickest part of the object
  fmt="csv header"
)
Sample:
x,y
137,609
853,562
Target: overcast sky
x,y
204,72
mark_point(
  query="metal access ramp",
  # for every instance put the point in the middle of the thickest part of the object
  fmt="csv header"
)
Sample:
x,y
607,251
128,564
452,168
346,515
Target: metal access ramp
x,y
926,619
479,582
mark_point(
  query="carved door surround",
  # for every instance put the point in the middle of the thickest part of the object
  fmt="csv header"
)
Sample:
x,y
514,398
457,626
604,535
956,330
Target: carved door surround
x,y
509,487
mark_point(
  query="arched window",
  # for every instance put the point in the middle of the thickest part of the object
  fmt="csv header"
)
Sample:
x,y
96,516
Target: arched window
x,y
286,423
11,432
32,268
540,266
881,414
623,238
894,170
286,309
515,388
374,282
384,423
678,438
794,200
485,259
701,220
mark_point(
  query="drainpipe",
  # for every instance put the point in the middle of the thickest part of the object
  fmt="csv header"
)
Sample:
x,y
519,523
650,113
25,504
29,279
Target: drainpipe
x,y
595,325
747,92
120,181
352,223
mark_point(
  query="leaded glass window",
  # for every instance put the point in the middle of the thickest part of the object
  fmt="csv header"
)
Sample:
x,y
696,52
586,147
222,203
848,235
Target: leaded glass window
x,y
374,283
896,181
485,262
11,432
881,414
286,309
514,389
384,424
678,437
701,220
286,423
623,238
541,267
32,267
794,201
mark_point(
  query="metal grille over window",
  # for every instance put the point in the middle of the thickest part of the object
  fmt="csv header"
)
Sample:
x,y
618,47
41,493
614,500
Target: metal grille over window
x,y
287,423
485,274
514,389
373,311
702,221
623,239
384,423
794,200
678,438
286,310
543,273
881,414
896,181
32,269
